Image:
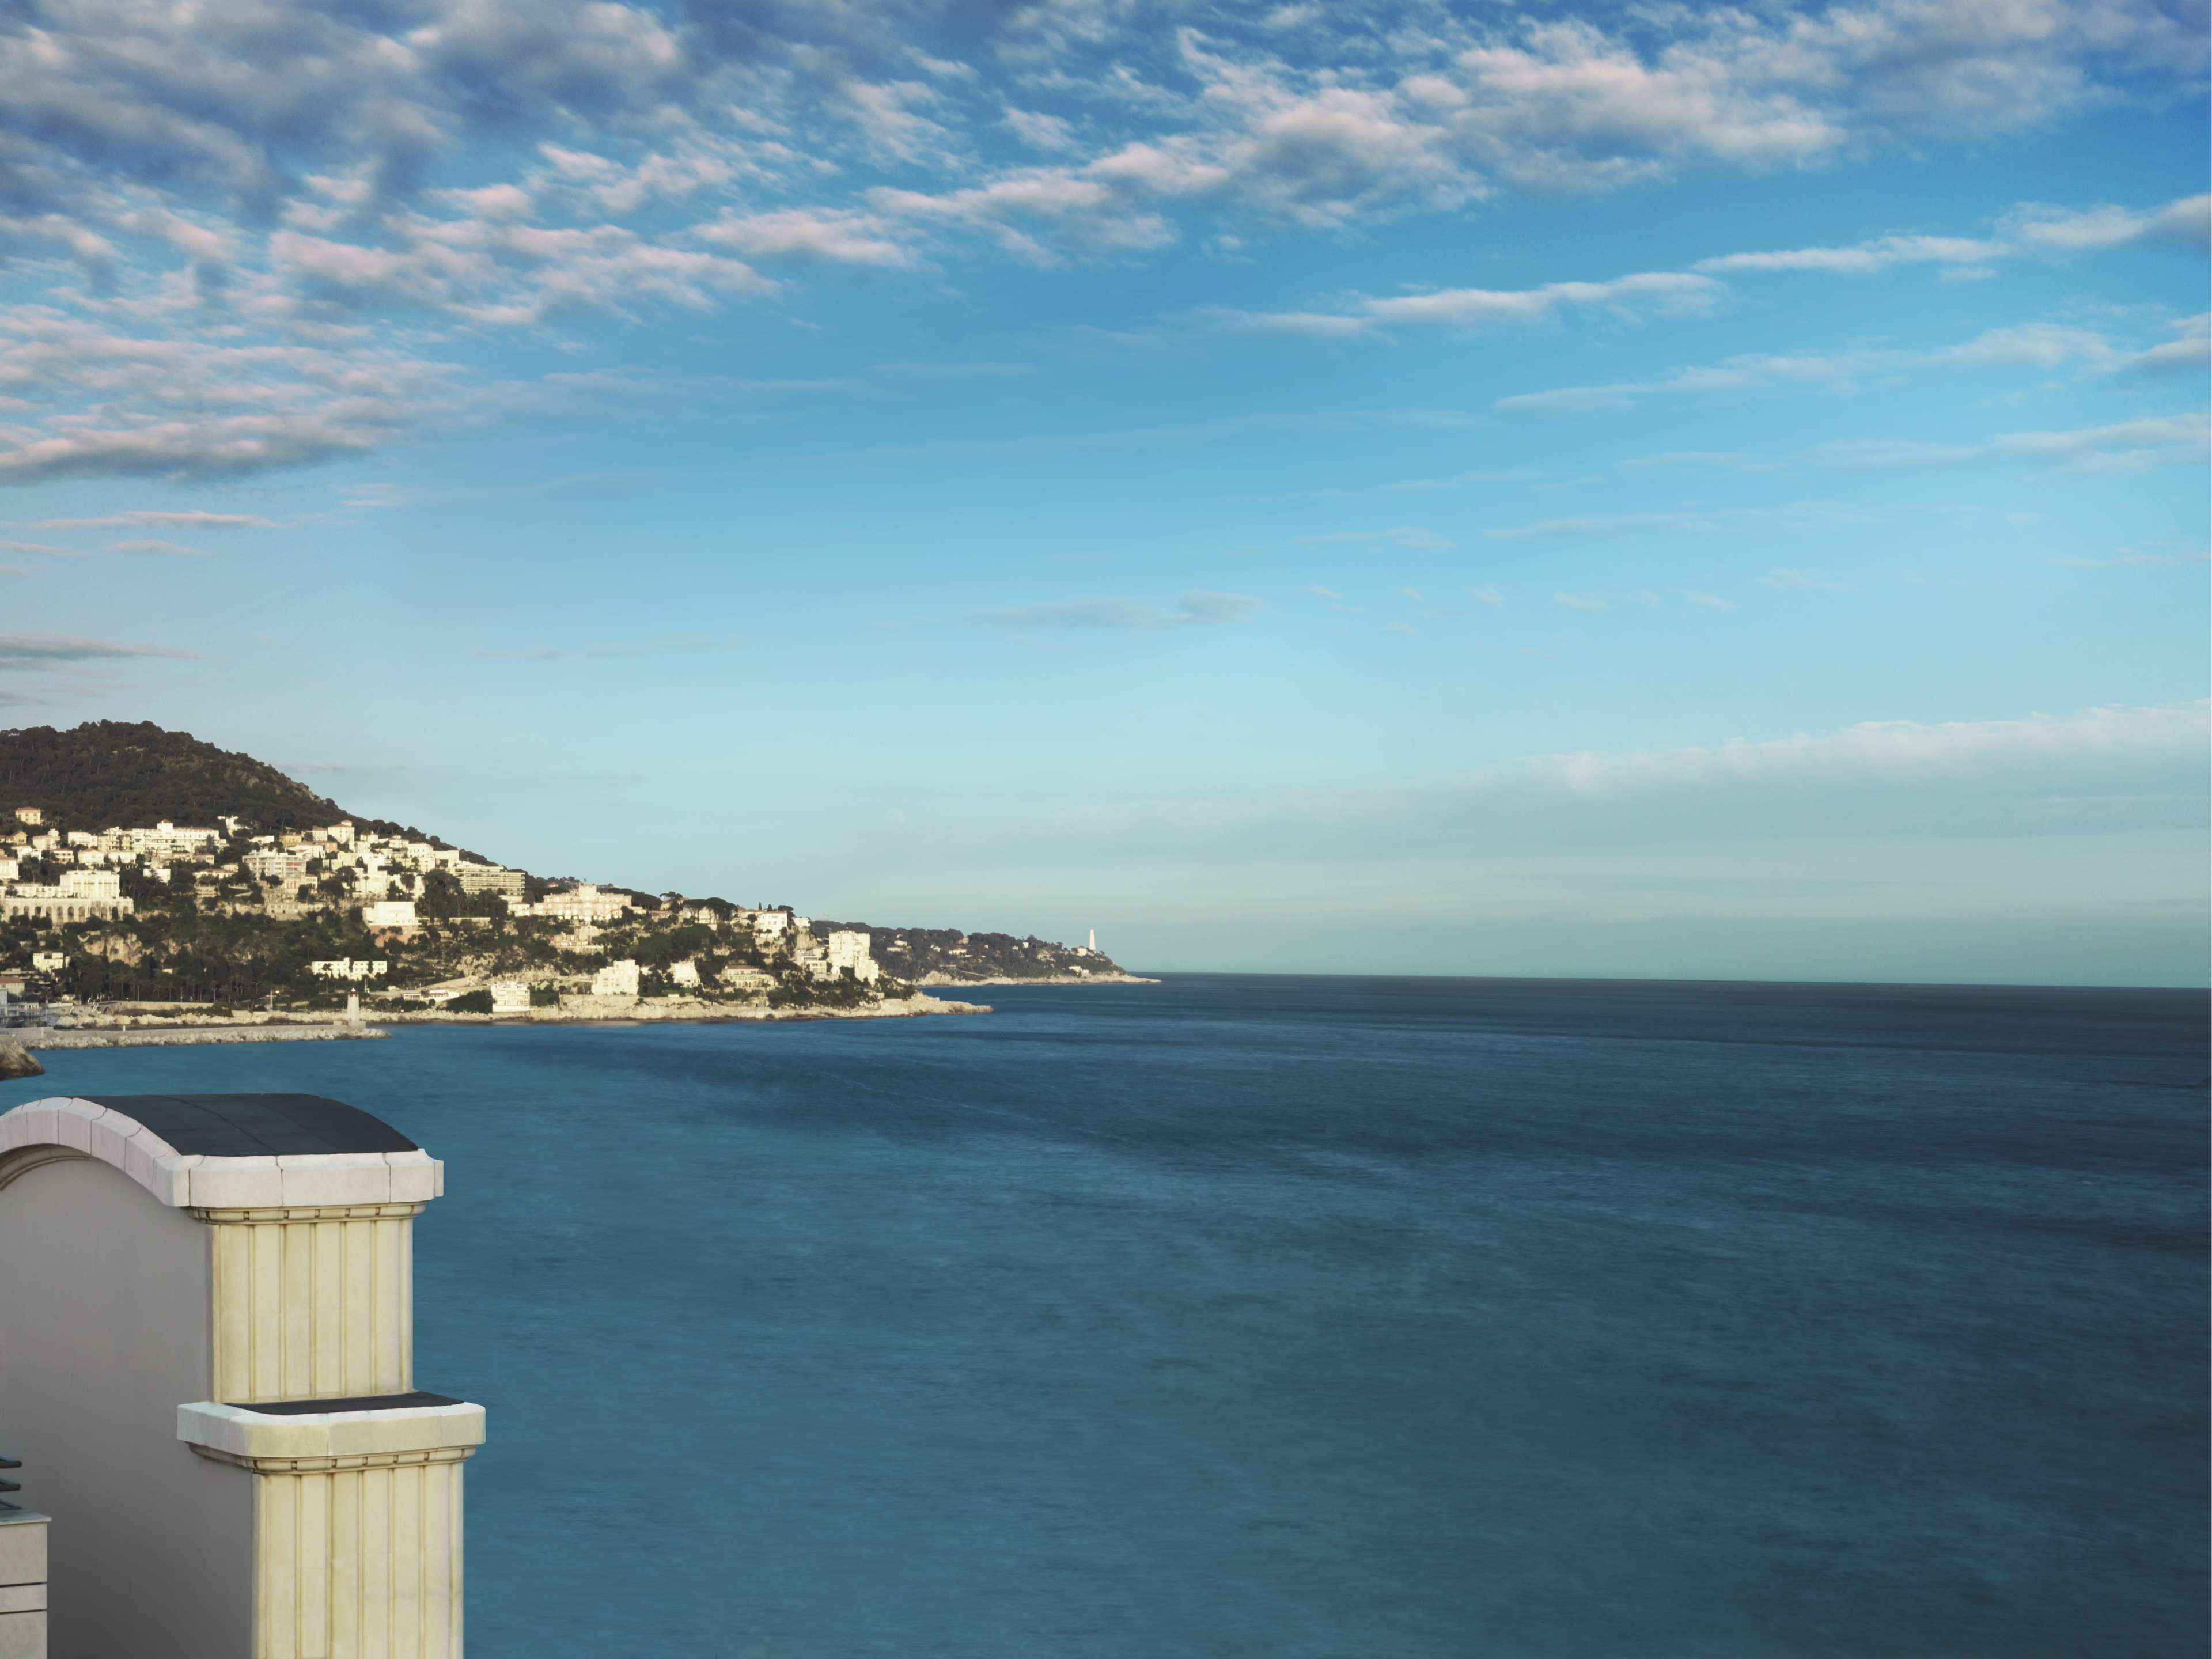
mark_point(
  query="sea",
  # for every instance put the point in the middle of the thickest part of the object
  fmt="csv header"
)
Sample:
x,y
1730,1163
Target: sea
x,y
1316,1318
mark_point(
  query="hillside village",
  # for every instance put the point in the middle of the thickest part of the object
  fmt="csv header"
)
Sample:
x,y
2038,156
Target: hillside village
x,y
235,915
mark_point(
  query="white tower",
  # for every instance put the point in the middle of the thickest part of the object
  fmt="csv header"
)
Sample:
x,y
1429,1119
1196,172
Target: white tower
x,y
1094,941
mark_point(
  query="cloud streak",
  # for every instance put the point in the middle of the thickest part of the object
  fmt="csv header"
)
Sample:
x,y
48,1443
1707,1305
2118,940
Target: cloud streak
x,y
1198,608
2101,770
19,652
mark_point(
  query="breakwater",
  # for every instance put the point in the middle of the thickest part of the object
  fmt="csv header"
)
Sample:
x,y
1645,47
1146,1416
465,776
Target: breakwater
x,y
125,1036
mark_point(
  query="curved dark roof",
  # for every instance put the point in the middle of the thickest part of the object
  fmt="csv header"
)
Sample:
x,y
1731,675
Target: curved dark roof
x,y
258,1126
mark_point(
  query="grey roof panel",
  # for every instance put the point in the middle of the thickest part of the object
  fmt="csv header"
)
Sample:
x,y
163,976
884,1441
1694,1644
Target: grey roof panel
x,y
258,1126
360,1402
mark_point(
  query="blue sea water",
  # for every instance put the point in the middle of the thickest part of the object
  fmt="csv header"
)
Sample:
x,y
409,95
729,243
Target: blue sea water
x,y
1370,1319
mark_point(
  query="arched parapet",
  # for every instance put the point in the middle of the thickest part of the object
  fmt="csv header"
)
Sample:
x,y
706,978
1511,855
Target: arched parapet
x,y
228,1157
261,1312
310,1206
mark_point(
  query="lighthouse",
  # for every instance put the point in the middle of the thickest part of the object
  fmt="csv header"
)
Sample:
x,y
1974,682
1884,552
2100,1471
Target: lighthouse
x,y
1094,941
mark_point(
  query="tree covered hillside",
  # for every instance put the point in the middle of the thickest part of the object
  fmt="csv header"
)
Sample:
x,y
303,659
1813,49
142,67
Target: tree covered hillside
x,y
134,774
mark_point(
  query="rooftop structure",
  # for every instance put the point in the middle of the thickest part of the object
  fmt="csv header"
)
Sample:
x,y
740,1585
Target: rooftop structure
x,y
210,1372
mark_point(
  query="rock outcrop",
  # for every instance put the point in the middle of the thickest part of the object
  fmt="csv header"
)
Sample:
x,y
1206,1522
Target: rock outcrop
x,y
15,1061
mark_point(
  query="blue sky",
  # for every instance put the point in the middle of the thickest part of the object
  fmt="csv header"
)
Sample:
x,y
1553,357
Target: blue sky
x,y
1580,490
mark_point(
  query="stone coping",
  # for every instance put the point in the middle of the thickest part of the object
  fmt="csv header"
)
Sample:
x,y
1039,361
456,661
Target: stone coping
x,y
67,1126
240,1431
10,1517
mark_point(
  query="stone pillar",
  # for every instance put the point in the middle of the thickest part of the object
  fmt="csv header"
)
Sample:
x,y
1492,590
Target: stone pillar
x,y
260,1311
22,1584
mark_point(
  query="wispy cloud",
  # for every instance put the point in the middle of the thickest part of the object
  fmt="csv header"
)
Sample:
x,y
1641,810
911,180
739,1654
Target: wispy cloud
x,y
151,519
1197,608
2128,559
2042,347
1634,298
1599,523
2101,770
666,645
24,650
1405,535
2119,447
2030,228
158,548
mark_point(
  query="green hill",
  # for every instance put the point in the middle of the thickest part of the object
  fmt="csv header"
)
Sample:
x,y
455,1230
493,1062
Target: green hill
x,y
134,774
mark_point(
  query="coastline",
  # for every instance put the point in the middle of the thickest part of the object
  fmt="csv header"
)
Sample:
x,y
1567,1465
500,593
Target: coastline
x,y
686,1011
191,1030
935,979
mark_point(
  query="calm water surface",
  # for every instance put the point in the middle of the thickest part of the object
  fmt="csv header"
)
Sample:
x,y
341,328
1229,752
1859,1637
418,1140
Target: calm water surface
x,y
1300,1317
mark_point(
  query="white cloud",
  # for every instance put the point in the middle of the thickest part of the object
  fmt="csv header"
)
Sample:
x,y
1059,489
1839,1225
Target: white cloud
x,y
250,174
2186,222
849,238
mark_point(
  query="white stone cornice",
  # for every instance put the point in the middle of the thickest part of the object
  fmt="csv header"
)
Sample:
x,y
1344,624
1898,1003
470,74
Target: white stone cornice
x,y
86,1128
240,1432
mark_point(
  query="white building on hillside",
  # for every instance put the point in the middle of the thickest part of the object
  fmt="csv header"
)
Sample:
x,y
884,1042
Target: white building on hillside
x,y
277,863
617,979
91,884
348,968
488,878
850,950
510,996
582,902
50,904
389,912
